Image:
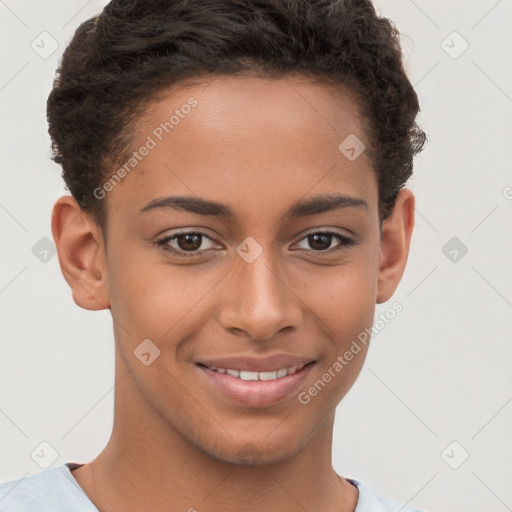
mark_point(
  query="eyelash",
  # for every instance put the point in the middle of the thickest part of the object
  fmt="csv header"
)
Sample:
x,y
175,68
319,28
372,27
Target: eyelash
x,y
345,243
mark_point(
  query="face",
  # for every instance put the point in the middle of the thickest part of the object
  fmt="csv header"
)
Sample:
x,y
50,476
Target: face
x,y
244,240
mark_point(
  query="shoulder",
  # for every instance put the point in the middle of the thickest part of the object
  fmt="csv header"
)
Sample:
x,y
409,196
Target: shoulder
x,y
51,490
370,501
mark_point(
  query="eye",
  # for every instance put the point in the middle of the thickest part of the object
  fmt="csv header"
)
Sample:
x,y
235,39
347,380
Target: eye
x,y
190,243
186,243
321,241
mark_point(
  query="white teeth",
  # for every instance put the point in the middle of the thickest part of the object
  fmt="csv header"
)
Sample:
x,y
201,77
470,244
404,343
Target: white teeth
x,y
247,375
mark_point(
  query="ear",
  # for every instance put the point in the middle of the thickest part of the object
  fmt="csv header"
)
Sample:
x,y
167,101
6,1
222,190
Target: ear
x,y
394,246
81,252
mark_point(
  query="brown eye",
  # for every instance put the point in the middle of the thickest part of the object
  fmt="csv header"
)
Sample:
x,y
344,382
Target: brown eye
x,y
321,242
186,244
189,242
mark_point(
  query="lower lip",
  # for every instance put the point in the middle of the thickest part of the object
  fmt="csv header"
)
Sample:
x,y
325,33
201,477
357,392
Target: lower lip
x,y
256,393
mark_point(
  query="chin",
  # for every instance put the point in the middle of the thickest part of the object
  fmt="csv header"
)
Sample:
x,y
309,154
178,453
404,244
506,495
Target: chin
x,y
252,453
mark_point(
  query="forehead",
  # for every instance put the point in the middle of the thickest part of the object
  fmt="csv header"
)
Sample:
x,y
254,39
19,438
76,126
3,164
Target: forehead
x,y
247,139
287,104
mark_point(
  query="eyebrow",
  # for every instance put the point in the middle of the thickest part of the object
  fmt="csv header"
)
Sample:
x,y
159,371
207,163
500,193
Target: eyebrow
x,y
303,208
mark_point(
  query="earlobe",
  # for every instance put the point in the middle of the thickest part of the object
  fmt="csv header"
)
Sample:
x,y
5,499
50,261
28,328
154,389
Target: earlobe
x,y
81,254
395,242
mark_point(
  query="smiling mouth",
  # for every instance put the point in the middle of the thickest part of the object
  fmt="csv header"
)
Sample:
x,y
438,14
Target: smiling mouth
x,y
255,375
255,389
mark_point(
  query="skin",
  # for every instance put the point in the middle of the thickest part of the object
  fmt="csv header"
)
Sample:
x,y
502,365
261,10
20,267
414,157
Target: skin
x,y
257,145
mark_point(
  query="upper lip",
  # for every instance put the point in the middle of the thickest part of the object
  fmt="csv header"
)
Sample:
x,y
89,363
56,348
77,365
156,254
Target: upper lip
x,y
258,364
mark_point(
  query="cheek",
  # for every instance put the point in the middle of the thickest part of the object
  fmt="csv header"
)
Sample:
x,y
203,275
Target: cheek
x,y
342,303
343,297
151,298
343,308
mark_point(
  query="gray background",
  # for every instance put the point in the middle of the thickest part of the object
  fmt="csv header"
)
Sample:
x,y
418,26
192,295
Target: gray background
x,y
438,373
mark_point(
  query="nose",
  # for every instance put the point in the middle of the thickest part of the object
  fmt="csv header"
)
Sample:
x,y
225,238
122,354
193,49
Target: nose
x,y
260,301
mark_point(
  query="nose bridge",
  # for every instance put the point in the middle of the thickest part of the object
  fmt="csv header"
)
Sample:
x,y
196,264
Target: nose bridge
x,y
259,300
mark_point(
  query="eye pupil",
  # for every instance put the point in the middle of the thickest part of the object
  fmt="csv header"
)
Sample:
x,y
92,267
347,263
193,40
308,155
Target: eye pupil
x,y
320,237
190,245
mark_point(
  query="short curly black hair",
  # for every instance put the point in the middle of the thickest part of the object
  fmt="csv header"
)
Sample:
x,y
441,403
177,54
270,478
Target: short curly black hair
x,y
119,60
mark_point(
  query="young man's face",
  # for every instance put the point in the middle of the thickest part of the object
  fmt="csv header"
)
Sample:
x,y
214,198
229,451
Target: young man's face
x,y
251,285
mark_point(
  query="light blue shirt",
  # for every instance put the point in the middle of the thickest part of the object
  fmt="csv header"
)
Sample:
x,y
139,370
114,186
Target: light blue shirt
x,y
56,490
